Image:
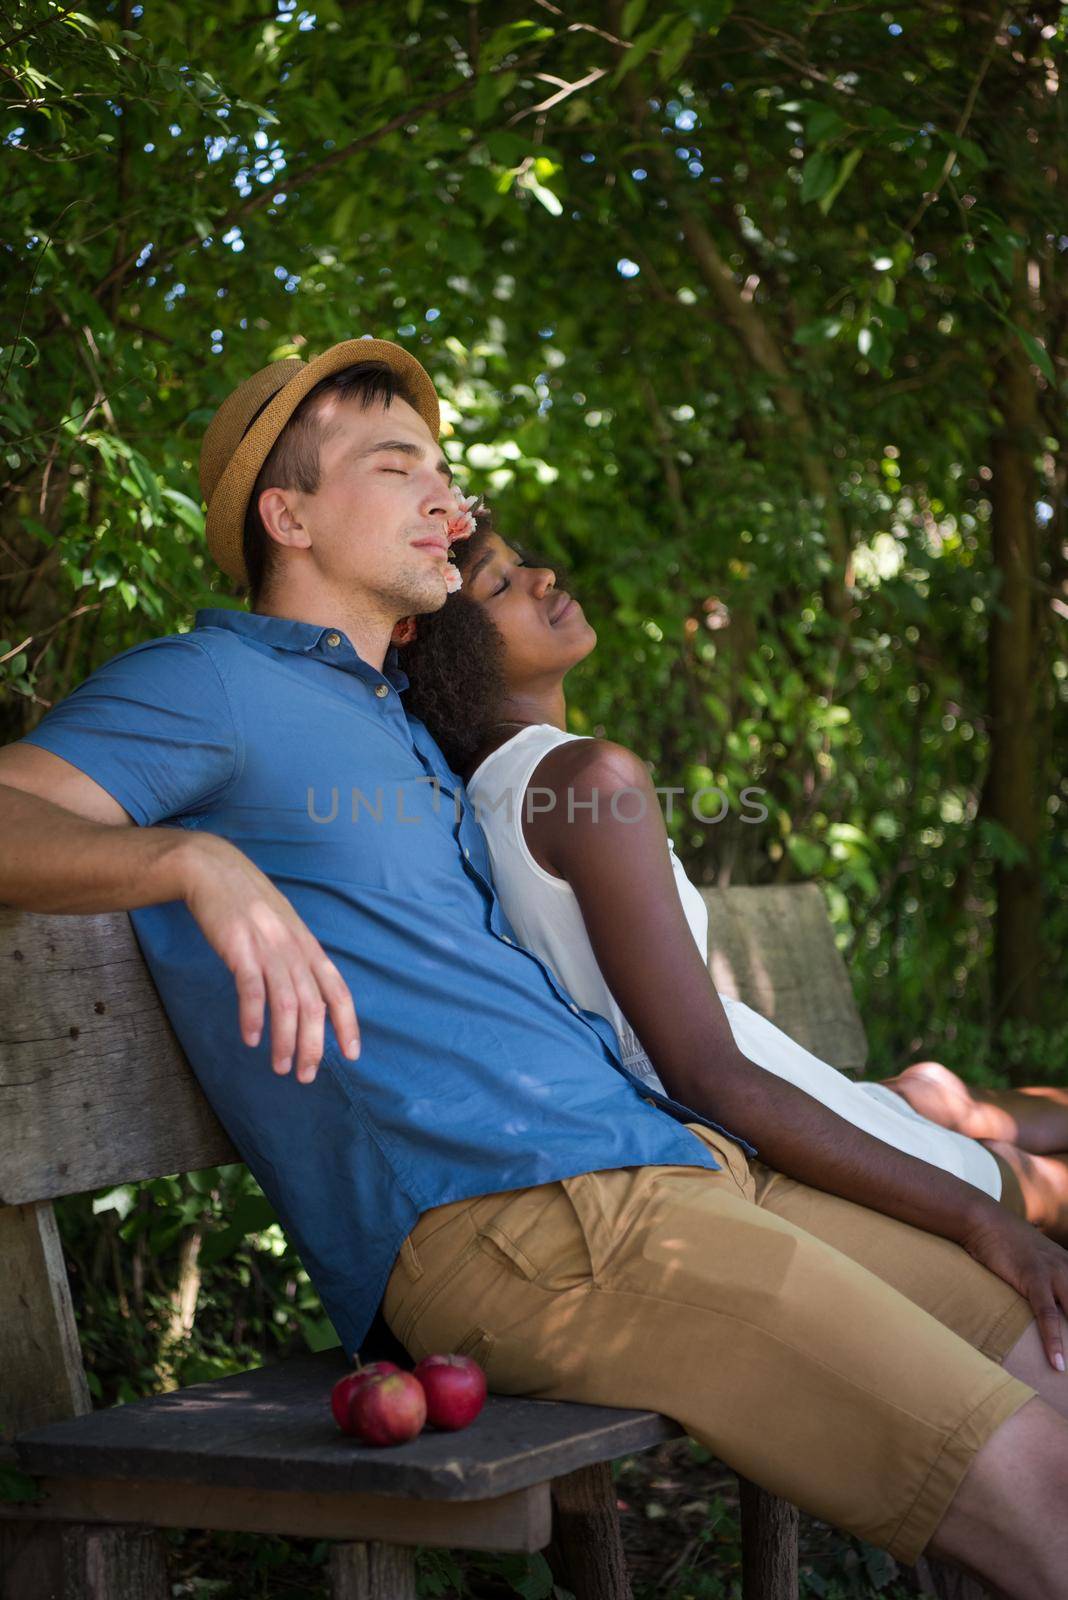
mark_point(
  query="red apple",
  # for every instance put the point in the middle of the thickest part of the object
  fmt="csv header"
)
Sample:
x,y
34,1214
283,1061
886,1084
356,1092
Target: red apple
x,y
455,1389
389,1409
344,1388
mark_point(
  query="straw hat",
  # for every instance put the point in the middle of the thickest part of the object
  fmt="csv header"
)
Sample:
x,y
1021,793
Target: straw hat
x,y
242,432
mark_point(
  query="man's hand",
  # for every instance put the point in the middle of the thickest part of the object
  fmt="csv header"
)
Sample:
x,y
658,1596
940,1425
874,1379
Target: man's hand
x,y
1035,1266
271,954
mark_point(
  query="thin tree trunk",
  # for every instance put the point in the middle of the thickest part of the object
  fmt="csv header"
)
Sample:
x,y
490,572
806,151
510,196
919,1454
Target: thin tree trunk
x,y
1012,789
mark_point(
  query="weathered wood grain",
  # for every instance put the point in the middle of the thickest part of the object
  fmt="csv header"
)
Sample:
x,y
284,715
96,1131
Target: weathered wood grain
x,y
774,948
517,1521
271,1428
114,1564
371,1572
769,1545
587,1553
94,1087
43,1378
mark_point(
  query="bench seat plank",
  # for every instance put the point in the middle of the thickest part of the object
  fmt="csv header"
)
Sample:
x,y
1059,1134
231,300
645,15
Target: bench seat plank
x,y
521,1520
271,1429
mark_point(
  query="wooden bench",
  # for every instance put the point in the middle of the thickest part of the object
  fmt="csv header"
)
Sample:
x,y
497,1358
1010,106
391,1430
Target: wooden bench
x,y
95,1091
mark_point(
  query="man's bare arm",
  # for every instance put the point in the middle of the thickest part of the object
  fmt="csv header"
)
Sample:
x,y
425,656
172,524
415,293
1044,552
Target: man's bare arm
x,y
67,846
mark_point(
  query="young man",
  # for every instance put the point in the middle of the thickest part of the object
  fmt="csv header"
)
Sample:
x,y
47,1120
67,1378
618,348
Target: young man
x,y
484,1166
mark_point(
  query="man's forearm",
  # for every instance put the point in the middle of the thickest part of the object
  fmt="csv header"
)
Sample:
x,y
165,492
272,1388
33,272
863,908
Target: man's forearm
x,y
53,860
801,1138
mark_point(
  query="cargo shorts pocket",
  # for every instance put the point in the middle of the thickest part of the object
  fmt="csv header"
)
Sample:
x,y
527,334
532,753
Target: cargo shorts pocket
x,y
539,1235
432,1335
405,1317
477,1343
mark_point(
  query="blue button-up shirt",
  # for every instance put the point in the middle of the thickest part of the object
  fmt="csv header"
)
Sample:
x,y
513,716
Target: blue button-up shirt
x,y
478,1072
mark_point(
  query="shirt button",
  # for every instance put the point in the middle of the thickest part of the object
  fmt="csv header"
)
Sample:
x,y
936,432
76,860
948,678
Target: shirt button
x,y
381,690
333,640
573,1007
505,939
467,853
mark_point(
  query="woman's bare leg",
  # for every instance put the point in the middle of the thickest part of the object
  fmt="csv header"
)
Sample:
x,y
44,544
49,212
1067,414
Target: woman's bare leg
x,y
1033,1119
1035,1187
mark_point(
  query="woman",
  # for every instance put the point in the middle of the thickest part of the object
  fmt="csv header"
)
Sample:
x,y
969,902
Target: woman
x,y
604,900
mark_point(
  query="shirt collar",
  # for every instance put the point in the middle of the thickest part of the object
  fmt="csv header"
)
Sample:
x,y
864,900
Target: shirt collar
x,y
303,638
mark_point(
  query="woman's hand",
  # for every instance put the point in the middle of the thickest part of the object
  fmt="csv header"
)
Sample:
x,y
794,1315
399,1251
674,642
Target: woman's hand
x,y
1035,1266
271,953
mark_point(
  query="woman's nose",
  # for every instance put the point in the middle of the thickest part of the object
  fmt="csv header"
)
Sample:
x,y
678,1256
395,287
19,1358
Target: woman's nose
x,y
545,579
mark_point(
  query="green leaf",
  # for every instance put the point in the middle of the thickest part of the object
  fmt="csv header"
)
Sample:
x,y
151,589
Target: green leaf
x,y
819,330
147,482
676,48
187,511
999,843
964,147
807,856
18,1487
712,14
491,89
1036,353
641,48
509,149
824,123
818,175
633,12
204,1180
846,167
511,37
319,1333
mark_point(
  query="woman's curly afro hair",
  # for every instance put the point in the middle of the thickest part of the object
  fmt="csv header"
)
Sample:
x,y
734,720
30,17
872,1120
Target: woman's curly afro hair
x,y
455,666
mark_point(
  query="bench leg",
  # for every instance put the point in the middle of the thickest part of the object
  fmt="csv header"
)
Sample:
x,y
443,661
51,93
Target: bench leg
x,y
769,1545
586,1552
114,1563
82,1561
372,1571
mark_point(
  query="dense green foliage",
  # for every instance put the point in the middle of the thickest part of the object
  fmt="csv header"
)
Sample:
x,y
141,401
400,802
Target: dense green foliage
x,y
750,312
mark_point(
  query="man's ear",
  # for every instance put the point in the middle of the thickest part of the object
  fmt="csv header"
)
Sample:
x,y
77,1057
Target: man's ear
x,y
280,520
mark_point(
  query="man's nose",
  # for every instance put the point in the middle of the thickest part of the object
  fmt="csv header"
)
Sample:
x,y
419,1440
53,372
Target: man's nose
x,y
437,499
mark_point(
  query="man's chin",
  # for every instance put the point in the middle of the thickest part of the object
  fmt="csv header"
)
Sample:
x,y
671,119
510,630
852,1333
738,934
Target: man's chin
x,y
426,596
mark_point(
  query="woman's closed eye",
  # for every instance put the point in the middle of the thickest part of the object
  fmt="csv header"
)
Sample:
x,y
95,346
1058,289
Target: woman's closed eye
x,y
504,581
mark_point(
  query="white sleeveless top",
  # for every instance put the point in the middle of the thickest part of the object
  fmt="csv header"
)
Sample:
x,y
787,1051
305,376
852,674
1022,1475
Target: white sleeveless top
x,y
547,918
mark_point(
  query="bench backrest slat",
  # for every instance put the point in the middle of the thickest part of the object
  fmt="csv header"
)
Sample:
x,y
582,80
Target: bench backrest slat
x,y
43,1377
94,1086
95,1089
773,947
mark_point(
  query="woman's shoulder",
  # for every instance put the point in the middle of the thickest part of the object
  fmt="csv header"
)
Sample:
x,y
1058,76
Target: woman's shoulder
x,y
588,763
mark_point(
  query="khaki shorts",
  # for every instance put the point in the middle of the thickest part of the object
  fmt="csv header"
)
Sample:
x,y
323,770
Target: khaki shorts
x,y
838,1357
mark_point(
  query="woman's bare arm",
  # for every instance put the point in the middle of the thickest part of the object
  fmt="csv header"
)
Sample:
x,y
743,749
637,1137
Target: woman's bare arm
x,y
621,874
